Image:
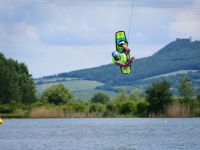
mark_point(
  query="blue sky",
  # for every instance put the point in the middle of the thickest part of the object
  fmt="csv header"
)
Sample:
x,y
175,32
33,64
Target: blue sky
x,y
53,36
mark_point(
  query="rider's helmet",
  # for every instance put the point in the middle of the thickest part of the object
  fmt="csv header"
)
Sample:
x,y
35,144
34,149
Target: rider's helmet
x,y
115,55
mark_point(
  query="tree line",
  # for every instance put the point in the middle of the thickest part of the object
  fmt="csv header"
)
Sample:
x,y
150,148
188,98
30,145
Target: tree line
x,y
157,100
16,84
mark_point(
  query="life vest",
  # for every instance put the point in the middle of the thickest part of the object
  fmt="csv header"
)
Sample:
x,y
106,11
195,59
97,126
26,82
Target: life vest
x,y
123,59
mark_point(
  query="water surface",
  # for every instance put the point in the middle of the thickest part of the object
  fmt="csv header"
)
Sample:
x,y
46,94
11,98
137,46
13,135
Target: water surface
x,y
100,134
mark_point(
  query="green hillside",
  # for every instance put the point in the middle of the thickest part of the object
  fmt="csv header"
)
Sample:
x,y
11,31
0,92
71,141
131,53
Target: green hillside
x,y
171,63
182,54
173,78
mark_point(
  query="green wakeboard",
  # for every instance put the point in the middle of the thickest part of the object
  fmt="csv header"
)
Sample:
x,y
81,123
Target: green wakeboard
x,y
120,36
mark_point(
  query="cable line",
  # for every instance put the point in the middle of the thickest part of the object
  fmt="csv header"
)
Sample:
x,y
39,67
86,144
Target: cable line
x,y
129,27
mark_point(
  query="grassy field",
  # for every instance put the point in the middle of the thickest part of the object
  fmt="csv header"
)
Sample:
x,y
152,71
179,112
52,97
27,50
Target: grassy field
x,y
73,85
87,94
81,89
85,89
172,74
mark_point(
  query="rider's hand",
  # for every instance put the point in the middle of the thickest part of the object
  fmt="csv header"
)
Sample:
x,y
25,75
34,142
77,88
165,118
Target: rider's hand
x,y
132,58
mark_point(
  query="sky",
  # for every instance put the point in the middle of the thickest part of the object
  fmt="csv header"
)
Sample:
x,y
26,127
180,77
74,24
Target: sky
x,y
54,36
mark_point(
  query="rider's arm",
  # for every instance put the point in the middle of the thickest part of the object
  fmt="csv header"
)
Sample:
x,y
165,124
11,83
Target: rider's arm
x,y
123,45
126,64
127,49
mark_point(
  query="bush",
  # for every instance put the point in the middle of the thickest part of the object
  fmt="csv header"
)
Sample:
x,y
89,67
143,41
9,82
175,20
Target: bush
x,y
197,112
100,98
6,109
79,107
186,90
57,94
158,95
121,97
15,115
127,107
198,100
97,108
142,108
136,96
111,107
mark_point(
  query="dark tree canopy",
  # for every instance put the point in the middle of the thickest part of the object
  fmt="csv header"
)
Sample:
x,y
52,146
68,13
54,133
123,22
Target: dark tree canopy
x,y
158,95
57,94
100,98
16,83
186,90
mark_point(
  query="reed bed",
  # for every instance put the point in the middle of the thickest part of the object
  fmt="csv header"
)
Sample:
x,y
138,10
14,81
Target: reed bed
x,y
178,110
58,112
174,110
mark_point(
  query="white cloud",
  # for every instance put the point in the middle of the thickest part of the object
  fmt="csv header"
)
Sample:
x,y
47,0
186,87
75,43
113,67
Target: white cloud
x,y
186,23
6,5
81,21
67,58
26,30
22,33
196,3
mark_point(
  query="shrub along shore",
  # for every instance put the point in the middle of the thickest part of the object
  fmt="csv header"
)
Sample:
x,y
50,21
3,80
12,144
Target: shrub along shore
x,y
123,109
57,102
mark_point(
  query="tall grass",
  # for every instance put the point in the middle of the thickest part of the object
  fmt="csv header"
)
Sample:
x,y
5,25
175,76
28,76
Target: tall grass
x,y
178,110
59,112
174,110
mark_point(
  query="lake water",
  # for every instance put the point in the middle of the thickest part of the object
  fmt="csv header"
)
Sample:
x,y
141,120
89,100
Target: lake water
x,y
100,134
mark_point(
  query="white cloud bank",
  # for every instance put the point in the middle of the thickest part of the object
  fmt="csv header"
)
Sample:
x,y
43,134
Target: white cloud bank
x,y
186,23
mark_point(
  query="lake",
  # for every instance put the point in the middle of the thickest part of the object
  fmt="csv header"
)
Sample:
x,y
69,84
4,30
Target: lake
x,y
100,134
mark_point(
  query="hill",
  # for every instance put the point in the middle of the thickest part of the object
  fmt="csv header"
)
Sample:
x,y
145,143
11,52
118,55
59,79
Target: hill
x,y
182,54
176,59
